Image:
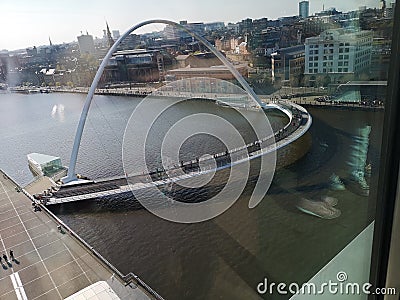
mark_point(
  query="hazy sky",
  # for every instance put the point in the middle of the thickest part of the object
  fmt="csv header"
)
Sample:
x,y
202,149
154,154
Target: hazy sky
x,y
25,23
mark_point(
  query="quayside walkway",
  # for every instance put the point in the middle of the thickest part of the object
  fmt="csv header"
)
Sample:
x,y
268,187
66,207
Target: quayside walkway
x,y
50,263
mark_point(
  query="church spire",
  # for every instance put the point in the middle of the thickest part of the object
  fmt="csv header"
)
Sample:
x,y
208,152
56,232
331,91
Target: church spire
x,y
51,44
383,4
109,37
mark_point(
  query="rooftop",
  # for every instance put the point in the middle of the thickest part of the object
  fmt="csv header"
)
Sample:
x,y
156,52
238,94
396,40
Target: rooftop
x,y
41,158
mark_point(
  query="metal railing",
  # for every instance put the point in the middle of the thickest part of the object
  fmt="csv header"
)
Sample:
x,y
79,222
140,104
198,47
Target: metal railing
x,y
126,278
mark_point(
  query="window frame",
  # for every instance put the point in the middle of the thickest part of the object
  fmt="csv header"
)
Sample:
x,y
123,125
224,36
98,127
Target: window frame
x,y
389,168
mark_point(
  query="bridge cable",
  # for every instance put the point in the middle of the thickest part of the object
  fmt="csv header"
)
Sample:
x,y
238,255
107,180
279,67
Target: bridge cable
x,y
106,120
99,138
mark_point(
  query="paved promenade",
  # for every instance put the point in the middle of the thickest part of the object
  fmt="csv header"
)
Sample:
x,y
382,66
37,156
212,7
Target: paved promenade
x,y
48,264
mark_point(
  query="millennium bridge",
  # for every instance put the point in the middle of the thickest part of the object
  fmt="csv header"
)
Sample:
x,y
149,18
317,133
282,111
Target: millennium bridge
x,y
299,122
74,189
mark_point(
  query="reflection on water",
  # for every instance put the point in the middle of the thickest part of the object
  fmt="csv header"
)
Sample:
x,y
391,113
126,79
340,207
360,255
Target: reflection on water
x,y
226,257
58,112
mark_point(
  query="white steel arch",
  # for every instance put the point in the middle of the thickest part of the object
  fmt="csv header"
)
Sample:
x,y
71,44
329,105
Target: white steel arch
x,y
71,176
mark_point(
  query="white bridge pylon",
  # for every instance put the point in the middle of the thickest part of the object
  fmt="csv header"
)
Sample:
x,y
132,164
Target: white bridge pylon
x,y
71,175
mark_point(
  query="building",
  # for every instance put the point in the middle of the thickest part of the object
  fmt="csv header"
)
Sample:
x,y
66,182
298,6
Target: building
x,y
86,44
380,58
242,48
332,11
44,165
304,9
197,28
265,39
130,42
246,26
213,26
314,26
389,11
234,28
260,24
116,34
198,60
337,55
287,66
223,44
172,32
218,72
135,66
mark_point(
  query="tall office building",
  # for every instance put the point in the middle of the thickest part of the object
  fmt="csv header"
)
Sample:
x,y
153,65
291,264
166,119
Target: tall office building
x,y
304,9
116,34
86,44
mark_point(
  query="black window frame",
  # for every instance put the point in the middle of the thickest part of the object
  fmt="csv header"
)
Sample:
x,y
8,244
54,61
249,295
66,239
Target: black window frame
x,y
389,168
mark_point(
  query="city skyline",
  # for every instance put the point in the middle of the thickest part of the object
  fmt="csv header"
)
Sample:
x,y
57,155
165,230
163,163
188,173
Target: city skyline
x,y
30,25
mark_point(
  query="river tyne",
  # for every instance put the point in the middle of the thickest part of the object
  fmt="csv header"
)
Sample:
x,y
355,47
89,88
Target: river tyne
x,y
223,258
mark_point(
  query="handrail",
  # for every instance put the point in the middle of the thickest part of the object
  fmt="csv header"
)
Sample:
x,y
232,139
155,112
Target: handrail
x,y
125,278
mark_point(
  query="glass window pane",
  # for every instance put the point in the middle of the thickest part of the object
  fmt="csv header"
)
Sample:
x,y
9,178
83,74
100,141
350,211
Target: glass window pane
x,y
276,120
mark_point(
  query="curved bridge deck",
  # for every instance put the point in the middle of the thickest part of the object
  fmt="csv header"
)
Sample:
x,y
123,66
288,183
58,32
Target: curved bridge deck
x,y
299,123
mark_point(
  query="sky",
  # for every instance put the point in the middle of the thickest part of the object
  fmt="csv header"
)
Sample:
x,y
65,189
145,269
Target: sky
x,y
27,23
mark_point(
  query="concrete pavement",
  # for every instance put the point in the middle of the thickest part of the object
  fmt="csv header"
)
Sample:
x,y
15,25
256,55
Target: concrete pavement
x,y
48,264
